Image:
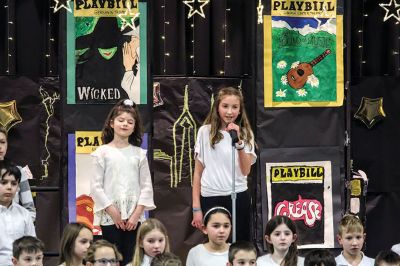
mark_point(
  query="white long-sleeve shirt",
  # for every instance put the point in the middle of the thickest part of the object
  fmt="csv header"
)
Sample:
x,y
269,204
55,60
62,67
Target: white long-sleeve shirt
x,y
15,222
121,177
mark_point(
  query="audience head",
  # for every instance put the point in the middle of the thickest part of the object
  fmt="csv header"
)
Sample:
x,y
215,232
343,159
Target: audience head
x,y
166,259
214,220
28,250
103,253
75,242
242,253
319,257
10,176
282,227
387,258
151,240
351,235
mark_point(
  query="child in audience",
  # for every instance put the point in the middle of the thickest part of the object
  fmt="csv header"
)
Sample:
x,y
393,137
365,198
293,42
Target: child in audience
x,y
387,258
319,257
242,253
166,259
151,240
15,220
281,240
28,251
351,237
103,253
121,185
24,194
217,226
75,242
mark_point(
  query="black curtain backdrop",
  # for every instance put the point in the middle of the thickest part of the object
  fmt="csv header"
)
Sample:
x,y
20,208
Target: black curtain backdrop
x,y
226,43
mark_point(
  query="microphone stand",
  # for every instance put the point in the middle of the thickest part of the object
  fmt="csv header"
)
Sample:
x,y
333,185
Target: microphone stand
x,y
233,194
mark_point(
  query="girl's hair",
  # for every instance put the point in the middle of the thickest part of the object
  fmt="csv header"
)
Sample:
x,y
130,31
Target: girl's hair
x,y
101,244
67,245
216,209
145,228
291,256
122,106
214,119
4,131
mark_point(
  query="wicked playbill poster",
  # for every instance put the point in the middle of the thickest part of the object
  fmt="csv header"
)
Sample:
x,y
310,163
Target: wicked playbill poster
x,y
306,189
106,52
303,54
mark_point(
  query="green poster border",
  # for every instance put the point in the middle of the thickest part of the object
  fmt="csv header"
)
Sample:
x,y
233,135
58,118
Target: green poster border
x,y
71,56
143,52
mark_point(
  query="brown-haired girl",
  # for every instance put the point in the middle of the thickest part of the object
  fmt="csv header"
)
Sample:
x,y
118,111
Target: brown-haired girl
x,y
212,178
121,185
281,240
75,242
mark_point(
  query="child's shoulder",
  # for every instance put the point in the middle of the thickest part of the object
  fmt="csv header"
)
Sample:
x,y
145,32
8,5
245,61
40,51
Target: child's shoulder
x,y
205,128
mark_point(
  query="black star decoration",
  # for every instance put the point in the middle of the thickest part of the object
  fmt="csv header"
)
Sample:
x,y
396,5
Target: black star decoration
x,y
392,10
196,7
62,4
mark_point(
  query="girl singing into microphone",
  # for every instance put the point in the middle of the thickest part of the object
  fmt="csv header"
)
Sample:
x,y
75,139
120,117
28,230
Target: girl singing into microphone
x,y
212,178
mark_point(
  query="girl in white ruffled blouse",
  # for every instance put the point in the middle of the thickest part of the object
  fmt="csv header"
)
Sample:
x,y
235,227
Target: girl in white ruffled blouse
x,y
121,185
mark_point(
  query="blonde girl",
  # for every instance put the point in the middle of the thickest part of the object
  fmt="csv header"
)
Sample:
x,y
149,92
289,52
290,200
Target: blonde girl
x,y
212,178
217,226
103,253
75,242
121,185
281,239
151,240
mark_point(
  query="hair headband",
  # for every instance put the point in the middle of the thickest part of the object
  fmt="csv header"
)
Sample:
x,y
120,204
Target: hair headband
x,y
216,208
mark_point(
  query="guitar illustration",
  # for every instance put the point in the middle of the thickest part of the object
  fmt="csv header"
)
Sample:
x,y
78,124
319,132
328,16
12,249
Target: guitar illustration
x,y
298,76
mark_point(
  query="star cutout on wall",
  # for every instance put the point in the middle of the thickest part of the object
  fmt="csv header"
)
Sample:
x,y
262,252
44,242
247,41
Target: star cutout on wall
x,y
62,4
392,10
370,111
128,13
196,10
9,115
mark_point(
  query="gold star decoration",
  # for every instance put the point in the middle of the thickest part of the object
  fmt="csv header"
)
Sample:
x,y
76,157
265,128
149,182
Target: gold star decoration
x,y
128,13
260,8
9,115
392,10
370,111
193,10
64,4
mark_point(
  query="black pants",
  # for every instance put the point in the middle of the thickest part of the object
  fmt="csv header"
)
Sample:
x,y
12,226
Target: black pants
x,y
124,240
243,211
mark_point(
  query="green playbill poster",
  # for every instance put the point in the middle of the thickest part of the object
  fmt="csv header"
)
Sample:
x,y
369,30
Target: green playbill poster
x,y
303,57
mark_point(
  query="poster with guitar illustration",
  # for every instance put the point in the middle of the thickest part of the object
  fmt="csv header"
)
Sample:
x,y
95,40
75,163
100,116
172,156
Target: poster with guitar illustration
x,y
303,54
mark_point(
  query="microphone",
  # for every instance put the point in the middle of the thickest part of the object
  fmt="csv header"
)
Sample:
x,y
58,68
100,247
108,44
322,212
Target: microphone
x,y
234,136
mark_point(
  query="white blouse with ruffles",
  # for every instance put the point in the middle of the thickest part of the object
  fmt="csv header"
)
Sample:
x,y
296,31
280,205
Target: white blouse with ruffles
x,y
121,177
